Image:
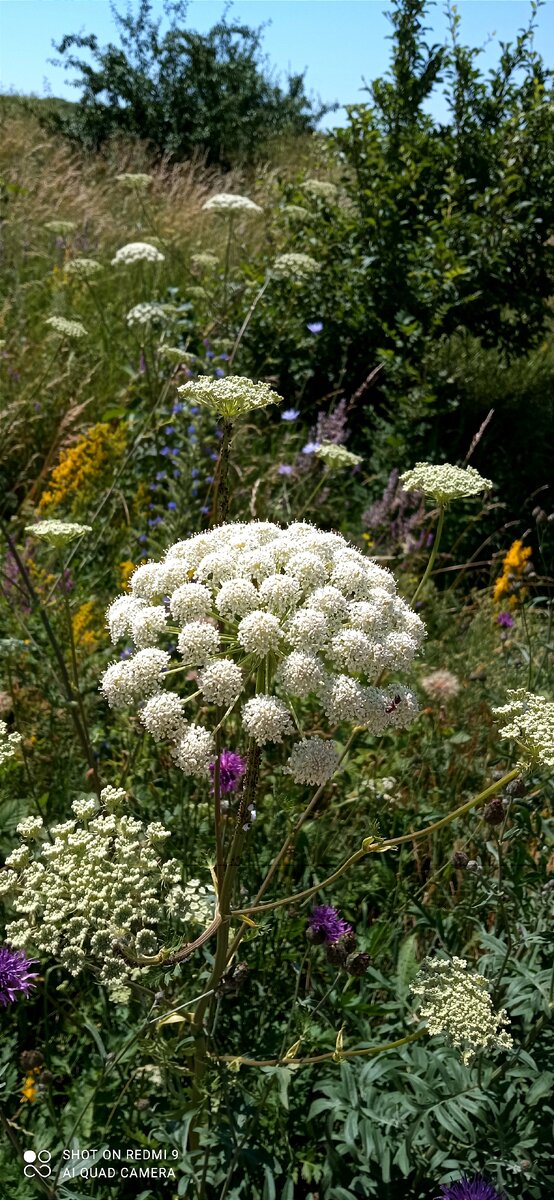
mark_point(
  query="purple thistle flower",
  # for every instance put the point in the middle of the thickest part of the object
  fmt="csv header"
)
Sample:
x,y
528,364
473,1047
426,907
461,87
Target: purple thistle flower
x,y
325,920
15,975
315,326
506,620
231,769
290,414
477,1188
284,469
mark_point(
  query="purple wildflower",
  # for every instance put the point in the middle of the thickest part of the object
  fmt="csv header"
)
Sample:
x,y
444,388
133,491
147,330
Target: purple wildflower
x,y
169,429
176,474
284,469
310,447
194,409
142,363
219,373
290,414
15,975
165,451
161,475
477,1188
205,509
315,326
171,505
224,357
325,920
177,408
231,769
506,620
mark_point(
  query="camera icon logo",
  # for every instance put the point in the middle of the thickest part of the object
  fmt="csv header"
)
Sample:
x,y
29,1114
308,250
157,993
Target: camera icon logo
x,y
37,1164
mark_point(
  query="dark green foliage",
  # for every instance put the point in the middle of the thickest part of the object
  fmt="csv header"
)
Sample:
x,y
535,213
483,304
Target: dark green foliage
x,y
182,92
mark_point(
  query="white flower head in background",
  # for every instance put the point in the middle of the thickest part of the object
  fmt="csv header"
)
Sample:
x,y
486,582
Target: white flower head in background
x,y
82,268
441,685
136,181
455,1002
444,482
532,724
57,533
336,457
230,397
9,743
72,330
60,227
134,252
321,189
228,204
264,616
297,268
147,313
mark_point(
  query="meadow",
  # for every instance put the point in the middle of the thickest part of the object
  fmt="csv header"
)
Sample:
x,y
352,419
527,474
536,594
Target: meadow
x,y
276,716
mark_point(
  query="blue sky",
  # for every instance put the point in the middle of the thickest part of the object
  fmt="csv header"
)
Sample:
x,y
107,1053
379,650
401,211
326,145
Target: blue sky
x,y
339,42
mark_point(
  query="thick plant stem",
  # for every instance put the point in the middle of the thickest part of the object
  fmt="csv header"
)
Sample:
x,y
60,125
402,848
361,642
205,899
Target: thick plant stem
x,y
221,498
379,847
329,1056
432,556
76,684
224,908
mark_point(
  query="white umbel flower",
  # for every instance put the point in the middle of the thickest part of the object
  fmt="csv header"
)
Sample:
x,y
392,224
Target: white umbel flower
x,y
221,681
455,1002
308,569
135,679
229,397
163,716
82,268
313,760
280,593
57,533
149,312
134,252
301,674
120,614
444,482
532,725
147,581
266,719
190,602
295,267
198,642
147,623
308,630
9,743
73,330
259,632
228,204
195,751
236,598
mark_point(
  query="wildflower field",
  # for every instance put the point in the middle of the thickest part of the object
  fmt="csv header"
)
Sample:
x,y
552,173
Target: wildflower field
x,y
276,656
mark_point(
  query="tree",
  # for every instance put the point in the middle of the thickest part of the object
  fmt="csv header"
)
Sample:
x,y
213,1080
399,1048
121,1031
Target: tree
x,y
181,91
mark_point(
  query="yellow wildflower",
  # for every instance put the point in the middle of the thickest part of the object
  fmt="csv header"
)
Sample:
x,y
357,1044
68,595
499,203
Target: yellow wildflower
x,y
29,1091
514,564
85,631
126,569
81,467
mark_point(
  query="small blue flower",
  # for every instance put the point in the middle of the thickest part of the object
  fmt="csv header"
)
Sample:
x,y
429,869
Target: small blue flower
x,y
290,414
219,373
209,479
176,474
126,652
315,326
169,429
284,469
194,409
195,473
175,450
171,505
224,357
154,521
191,428
205,509
165,451
214,457
210,354
177,408
310,447
143,539
161,475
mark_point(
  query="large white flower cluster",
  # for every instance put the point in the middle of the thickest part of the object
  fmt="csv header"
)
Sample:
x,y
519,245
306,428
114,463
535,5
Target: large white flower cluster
x,y
295,267
264,617
134,252
230,203
532,725
97,882
455,1003
444,482
66,328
